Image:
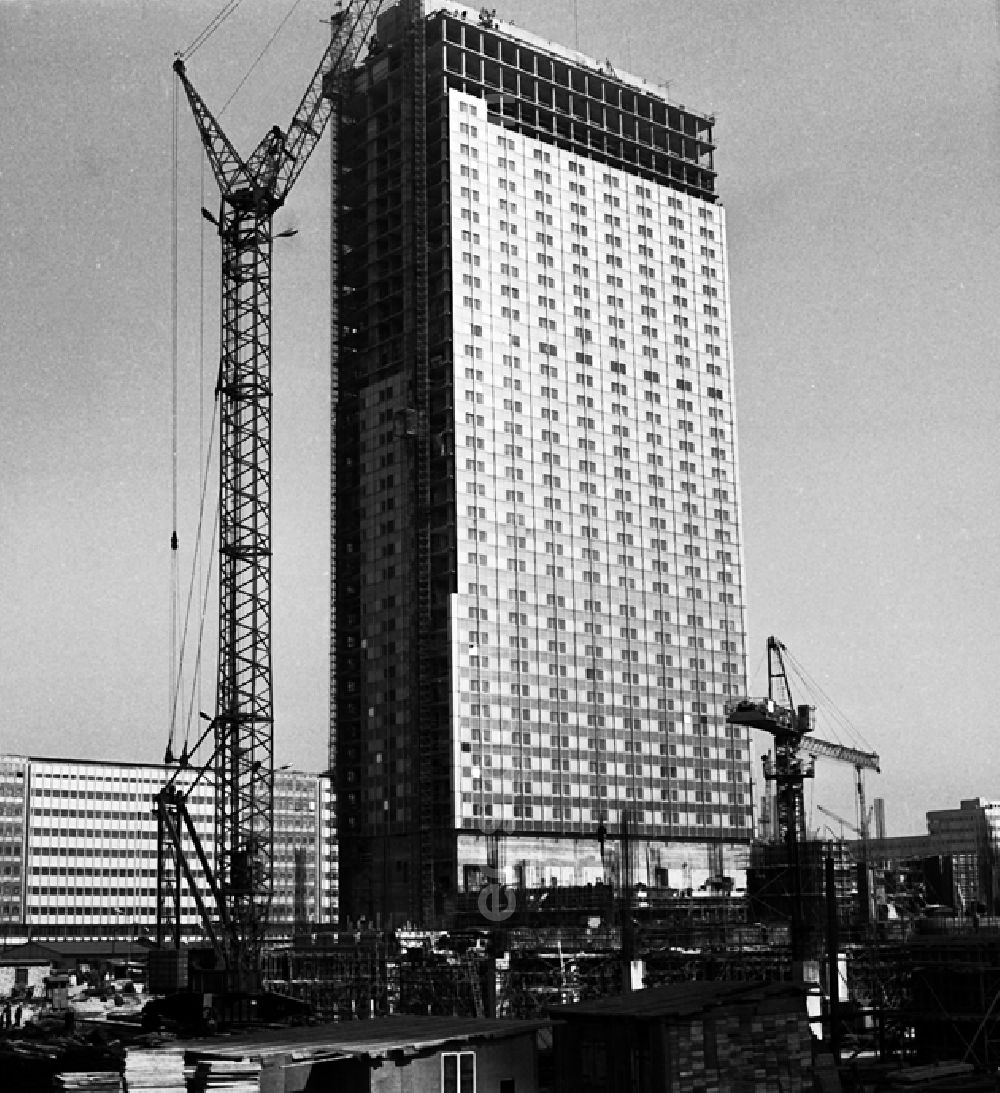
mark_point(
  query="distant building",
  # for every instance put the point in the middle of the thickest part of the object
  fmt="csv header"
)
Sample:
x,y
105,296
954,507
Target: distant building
x,y
879,807
78,849
965,842
975,823
972,830
539,592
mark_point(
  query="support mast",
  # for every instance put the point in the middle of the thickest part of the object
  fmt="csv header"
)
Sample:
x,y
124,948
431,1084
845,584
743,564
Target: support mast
x,y
241,764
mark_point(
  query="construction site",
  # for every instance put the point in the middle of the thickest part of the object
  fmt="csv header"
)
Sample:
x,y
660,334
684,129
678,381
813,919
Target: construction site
x,y
508,884
901,972
896,979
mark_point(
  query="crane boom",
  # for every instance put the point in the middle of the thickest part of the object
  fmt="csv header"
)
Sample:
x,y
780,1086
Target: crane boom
x,y
242,759
824,749
226,163
840,820
352,27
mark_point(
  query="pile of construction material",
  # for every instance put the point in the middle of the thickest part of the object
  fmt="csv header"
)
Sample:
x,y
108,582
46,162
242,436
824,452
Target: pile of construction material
x,y
154,1070
99,1081
764,1051
231,1075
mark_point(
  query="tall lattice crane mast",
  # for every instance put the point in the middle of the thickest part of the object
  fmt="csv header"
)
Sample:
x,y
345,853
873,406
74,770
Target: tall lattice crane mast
x,y
242,760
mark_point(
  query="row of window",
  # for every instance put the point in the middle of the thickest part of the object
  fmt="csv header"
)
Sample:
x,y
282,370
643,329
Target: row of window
x,y
737,817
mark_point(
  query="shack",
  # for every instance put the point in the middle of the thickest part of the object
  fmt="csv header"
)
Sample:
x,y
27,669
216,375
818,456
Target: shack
x,y
384,1055
24,969
750,1037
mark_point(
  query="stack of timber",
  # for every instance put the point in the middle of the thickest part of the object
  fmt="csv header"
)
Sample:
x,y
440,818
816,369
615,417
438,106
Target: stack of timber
x,y
780,1051
88,1081
943,1077
154,1070
232,1075
765,1053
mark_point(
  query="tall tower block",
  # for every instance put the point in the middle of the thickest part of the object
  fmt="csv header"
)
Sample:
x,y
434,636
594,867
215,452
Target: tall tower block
x,y
538,577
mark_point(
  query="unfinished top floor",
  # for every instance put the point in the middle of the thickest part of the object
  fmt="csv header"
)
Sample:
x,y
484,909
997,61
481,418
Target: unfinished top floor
x,y
558,95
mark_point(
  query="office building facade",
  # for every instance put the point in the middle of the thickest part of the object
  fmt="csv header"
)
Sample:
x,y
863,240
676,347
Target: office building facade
x,y
78,849
538,577
961,845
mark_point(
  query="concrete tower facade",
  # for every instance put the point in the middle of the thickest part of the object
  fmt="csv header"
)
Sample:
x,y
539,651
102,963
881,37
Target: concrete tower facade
x,y
538,577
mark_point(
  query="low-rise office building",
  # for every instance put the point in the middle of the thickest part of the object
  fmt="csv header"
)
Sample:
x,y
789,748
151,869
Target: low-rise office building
x,y
78,849
957,862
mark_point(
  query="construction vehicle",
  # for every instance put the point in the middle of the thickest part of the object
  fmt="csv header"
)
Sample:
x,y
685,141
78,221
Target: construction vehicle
x,y
239,739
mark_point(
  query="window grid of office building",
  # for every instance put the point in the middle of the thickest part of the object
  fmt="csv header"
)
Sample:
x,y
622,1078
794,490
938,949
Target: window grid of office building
x,y
78,848
599,606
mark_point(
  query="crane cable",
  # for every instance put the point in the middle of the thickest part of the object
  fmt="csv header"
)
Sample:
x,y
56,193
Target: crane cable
x,y
202,454
194,700
174,667
197,577
756,673
179,634
206,580
213,25
256,61
200,574
840,717
228,8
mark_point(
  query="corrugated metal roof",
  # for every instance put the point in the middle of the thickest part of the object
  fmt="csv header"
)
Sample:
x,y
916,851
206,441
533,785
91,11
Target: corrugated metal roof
x,y
119,947
379,1036
31,953
677,999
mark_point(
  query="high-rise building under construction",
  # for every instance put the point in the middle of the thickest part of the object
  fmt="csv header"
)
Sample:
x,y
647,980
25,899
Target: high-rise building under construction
x,y
537,555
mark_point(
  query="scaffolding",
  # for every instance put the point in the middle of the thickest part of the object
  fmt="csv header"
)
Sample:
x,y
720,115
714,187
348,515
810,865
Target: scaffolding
x,y
534,87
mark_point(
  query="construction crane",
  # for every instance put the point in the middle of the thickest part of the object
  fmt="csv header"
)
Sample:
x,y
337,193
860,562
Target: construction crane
x,y
240,767
795,752
789,726
792,730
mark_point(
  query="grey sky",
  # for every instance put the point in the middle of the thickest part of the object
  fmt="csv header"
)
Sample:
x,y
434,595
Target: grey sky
x,y
858,160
